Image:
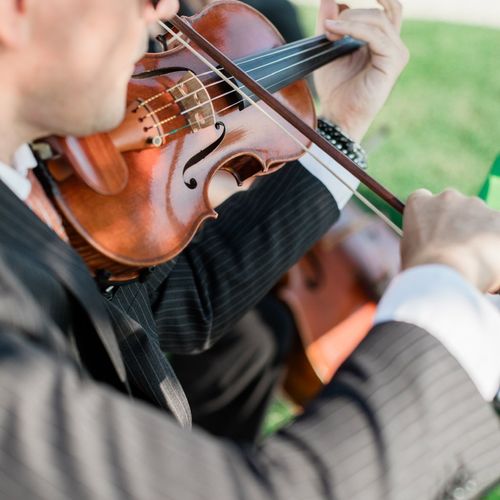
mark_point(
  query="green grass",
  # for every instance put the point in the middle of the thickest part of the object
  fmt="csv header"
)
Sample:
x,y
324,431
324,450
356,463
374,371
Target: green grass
x,y
441,125
494,495
442,122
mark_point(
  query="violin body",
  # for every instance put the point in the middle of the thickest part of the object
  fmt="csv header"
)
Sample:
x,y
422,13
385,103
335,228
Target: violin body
x,y
332,294
141,202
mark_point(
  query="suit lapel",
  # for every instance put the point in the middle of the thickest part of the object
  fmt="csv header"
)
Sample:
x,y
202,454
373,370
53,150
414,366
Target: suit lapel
x,y
22,230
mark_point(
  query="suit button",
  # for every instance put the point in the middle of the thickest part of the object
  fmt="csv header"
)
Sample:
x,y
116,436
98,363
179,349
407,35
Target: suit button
x,y
109,292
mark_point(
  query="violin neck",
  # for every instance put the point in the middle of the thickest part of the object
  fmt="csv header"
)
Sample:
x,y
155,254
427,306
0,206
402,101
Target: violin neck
x,y
279,67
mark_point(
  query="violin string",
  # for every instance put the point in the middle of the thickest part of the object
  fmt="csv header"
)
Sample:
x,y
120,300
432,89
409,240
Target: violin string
x,y
355,193
219,96
274,62
235,104
244,61
173,117
212,100
157,110
270,89
277,50
282,48
175,131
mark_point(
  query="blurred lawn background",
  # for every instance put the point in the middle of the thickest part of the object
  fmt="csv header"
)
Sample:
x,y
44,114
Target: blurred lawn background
x,y
441,125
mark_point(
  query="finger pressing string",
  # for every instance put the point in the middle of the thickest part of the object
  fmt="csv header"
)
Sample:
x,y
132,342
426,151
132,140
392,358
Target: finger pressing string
x,y
376,38
372,18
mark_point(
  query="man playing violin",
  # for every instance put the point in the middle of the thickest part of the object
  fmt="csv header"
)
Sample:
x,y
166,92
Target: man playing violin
x,y
407,417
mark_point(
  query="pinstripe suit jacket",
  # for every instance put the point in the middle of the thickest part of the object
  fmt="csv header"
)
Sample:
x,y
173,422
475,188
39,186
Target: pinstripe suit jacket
x,y
400,420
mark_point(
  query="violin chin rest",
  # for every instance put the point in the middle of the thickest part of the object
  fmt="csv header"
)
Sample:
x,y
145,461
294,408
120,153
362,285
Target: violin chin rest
x,y
95,160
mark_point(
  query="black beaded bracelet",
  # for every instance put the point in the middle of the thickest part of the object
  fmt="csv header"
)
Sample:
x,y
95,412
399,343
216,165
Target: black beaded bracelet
x,y
342,142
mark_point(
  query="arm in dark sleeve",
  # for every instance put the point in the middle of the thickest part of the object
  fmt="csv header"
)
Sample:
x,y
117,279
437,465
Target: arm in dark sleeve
x,y
401,420
235,260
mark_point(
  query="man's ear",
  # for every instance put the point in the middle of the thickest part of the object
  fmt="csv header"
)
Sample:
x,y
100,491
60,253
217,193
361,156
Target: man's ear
x,y
14,23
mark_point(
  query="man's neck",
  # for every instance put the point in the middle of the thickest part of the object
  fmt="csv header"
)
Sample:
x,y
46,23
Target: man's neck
x,y
8,145
13,130
7,151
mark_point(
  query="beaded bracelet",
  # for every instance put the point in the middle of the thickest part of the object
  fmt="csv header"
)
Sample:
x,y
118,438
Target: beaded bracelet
x,y
342,142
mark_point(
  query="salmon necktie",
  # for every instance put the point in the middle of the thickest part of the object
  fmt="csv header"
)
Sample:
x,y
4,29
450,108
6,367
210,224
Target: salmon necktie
x,y
43,208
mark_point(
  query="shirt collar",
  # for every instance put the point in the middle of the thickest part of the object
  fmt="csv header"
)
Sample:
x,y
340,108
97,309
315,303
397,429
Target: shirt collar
x,y
15,176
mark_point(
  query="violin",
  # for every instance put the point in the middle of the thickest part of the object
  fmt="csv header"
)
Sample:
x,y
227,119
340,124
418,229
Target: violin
x,y
134,197
332,293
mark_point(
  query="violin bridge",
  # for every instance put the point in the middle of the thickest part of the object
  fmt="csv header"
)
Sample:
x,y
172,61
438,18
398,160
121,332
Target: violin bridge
x,y
195,101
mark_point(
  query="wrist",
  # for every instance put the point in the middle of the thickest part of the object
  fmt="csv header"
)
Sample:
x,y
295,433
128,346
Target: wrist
x,y
343,142
356,131
464,264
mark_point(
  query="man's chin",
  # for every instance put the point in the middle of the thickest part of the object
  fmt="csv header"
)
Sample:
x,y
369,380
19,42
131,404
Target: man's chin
x,y
106,121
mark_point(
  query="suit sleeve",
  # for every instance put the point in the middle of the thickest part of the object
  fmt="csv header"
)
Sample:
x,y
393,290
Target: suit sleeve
x,y
400,420
235,260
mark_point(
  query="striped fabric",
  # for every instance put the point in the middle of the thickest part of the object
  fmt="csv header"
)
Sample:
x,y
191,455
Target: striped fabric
x,y
400,420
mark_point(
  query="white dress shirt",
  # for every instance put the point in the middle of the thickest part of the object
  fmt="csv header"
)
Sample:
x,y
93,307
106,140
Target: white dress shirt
x,y
340,190
433,297
15,176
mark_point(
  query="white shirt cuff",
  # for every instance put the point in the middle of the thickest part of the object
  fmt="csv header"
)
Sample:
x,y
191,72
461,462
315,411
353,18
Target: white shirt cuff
x,y
439,300
337,188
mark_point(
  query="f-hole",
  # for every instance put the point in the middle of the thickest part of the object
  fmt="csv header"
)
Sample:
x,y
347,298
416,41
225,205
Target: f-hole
x,y
193,183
